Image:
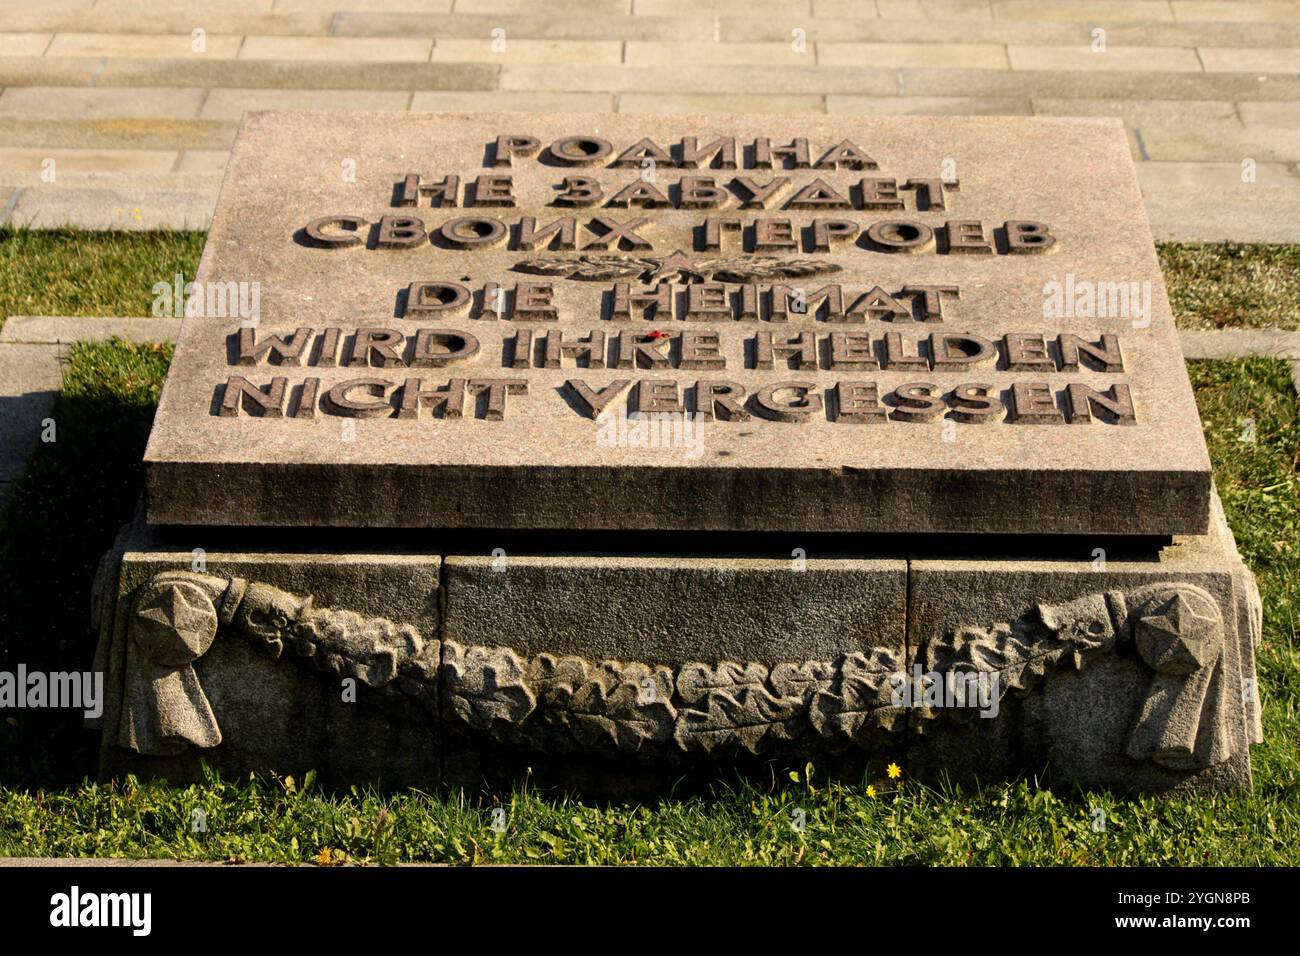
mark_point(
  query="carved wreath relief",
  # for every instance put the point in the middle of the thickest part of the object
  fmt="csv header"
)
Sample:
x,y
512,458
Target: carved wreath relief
x,y
565,704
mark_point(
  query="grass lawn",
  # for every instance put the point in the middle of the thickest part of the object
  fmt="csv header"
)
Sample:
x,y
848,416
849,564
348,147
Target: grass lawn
x,y
1213,286
82,487
70,272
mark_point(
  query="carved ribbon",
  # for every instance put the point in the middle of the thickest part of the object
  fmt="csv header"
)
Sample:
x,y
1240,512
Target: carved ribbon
x,y
1179,633
567,703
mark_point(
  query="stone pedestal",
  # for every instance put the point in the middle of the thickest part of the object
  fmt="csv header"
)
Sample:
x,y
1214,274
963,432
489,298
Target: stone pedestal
x,y
625,387
615,674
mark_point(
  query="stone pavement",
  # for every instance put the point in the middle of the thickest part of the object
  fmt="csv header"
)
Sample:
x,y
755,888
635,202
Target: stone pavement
x,y
117,114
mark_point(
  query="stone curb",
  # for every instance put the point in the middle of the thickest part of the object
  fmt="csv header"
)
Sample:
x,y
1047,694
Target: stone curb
x,y
63,330
109,210
1243,343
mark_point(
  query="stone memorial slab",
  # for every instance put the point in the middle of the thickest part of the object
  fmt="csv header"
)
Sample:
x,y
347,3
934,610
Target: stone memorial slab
x,y
874,324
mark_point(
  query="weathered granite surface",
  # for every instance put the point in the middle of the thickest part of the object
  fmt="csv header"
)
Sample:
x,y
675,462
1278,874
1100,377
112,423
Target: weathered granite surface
x,y
515,416
615,674
1155,691
246,663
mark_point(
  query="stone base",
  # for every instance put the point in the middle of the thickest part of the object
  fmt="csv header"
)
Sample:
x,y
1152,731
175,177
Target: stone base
x,y
613,675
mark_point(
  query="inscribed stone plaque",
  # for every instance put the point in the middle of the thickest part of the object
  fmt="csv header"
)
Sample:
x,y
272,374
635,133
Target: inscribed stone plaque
x,y
749,323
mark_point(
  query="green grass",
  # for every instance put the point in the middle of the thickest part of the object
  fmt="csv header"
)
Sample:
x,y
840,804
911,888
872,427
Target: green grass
x,y
72,272
81,487
279,821
1217,285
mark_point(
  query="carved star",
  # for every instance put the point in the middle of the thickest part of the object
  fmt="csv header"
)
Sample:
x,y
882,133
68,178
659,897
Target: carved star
x,y
676,266
178,615
1180,633
172,609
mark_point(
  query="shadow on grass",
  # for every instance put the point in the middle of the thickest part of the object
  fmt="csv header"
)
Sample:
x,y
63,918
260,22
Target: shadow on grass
x,y
79,489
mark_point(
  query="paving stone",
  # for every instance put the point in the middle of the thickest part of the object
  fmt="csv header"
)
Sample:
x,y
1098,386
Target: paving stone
x,y
675,54
117,132
929,105
1139,112
418,6
24,44
845,29
974,56
1091,11
64,330
1232,10
1213,177
1249,60
1254,214
668,103
53,162
924,9
758,8
1239,343
595,8
203,160
1219,141
244,7
140,18
154,102
527,51
1270,114
1097,84
1153,59
170,181
320,74
231,104
518,101
529,26
214,45
1199,34
48,71
702,79
349,49
917,9
52,207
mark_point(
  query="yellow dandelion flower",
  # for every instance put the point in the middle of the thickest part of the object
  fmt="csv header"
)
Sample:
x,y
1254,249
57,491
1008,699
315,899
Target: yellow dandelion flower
x,y
894,771
871,791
